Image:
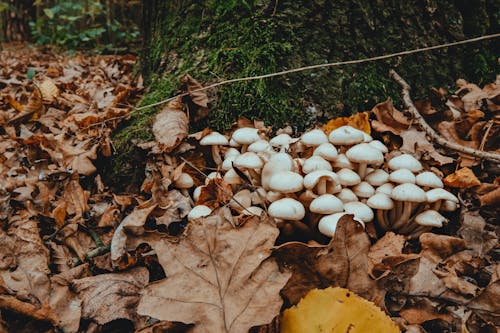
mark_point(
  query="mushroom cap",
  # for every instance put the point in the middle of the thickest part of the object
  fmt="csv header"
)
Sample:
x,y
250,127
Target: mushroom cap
x,y
286,182
245,135
366,137
429,179
449,206
214,139
347,195
253,210
228,162
405,161
314,137
196,193
326,204
231,177
364,153
277,162
380,201
342,162
348,177
402,176
231,152
287,209
312,179
233,143
377,177
363,190
248,160
430,218
408,192
199,211
346,135
241,200
259,146
327,151
258,196
385,188
281,140
272,196
184,181
314,163
440,194
327,224
379,145
360,211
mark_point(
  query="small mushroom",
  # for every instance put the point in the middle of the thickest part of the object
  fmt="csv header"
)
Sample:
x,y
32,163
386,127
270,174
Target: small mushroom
x,y
245,136
347,195
314,138
382,203
215,139
199,211
364,154
406,195
328,224
326,204
405,161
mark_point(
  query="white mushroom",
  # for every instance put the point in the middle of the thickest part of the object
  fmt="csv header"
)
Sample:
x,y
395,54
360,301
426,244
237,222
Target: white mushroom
x,y
199,211
328,224
326,204
215,139
364,154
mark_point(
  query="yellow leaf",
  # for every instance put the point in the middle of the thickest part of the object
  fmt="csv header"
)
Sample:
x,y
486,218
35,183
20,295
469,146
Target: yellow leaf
x,y
336,310
359,120
463,178
49,91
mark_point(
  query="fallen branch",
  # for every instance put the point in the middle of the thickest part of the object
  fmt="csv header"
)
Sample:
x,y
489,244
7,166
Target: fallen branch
x,y
430,131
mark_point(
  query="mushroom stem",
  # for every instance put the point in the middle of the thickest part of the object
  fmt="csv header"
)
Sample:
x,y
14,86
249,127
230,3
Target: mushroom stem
x,y
395,213
243,149
437,205
381,219
362,170
420,230
321,187
216,155
405,216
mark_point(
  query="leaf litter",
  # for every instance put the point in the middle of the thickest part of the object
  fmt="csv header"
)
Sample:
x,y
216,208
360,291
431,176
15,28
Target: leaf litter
x,y
78,257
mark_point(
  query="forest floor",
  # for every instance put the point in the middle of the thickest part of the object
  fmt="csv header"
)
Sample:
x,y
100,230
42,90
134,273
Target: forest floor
x,y
77,255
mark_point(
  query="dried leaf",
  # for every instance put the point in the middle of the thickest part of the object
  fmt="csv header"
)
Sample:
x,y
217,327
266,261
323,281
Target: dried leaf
x,y
216,193
107,297
49,91
416,143
387,246
359,120
463,178
389,119
472,227
170,128
218,277
422,310
343,263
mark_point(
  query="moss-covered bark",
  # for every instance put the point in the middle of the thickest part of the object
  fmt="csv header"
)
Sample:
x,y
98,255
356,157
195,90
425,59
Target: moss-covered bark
x,y
221,39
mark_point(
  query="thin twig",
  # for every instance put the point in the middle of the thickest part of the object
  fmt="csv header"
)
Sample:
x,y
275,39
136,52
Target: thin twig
x,y
430,131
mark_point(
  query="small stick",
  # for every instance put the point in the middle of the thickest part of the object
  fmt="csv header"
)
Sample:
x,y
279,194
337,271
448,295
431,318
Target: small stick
x,y
430,131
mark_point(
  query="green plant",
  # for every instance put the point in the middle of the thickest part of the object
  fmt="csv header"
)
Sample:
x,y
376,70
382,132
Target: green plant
x,y
81,24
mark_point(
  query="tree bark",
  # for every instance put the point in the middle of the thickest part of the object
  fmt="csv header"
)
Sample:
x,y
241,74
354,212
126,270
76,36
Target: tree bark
x,y
228,39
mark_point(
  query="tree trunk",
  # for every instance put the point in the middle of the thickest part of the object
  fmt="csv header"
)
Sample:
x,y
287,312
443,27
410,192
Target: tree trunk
x,y
216,40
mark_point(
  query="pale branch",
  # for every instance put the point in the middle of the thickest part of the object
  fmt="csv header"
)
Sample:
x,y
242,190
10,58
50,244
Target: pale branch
x,y
430,131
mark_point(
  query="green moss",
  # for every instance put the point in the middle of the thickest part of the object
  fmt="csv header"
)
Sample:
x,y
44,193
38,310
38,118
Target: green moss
x,y
223,39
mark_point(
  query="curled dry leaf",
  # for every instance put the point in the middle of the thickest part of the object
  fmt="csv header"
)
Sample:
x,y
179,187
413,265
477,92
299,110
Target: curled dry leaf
x,y
389,119
343,263
133,223
170,127
218,277
107,297
472,230
216,193
389,245
416,143
178,207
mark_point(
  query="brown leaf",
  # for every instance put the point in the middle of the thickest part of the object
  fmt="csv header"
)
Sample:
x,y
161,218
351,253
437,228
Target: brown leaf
x,y
389,119
179,207
107,297
132,223
218,277
472,231
216,193
491,198
170,128
416,143
463,178
342,263
422,310
487,304
199,98
389,245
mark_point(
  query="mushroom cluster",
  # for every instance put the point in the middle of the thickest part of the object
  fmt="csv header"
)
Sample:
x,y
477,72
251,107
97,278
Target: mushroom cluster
x,y
320,177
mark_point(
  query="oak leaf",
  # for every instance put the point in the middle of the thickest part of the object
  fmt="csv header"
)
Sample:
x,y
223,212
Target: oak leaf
x,y
219,277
